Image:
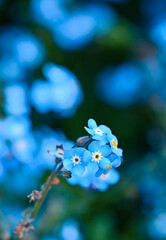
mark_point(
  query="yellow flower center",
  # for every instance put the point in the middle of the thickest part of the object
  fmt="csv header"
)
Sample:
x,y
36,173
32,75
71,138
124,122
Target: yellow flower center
x,y
114,143
97,156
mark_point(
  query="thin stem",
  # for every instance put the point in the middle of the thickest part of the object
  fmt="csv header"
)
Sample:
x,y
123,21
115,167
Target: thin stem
x,y
38,204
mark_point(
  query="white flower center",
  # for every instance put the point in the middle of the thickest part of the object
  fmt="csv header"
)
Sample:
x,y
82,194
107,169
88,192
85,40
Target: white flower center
x,y
96,156
76,159
98,131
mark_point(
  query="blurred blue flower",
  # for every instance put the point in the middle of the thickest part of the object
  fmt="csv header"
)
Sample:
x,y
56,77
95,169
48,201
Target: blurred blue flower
x,y
157,32
47,141
74,161
98,133
24,149
48,12
121,86
62,93
97,157
100,183
156,226
70,230
16,99
10,69
94,19
16,127
20,51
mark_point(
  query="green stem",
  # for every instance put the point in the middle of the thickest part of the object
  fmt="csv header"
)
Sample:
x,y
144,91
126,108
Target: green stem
x,y
38,204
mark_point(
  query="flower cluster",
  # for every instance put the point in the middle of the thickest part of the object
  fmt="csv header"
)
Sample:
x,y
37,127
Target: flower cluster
x,y
93,159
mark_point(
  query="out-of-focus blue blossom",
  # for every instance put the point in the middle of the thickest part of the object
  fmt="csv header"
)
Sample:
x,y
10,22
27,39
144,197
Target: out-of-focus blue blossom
x,y
94,19
102,183
62,93
10,70
97,157
70,230
58,153
16,99
74,161
157,33
14,127
25,148
98,183
98,133
47,141
20,51
156,226
121,86
48,12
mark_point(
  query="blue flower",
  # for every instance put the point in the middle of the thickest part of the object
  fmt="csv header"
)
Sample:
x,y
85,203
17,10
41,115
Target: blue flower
x,y
102,183
62,92
97,157
73,160
114,145
115,162
98,132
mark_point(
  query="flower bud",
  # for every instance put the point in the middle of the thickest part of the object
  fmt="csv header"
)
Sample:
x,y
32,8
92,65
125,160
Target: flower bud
x,y
66,174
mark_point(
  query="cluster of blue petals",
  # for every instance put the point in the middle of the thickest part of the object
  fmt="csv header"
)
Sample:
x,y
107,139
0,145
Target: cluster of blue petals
x,y
93,164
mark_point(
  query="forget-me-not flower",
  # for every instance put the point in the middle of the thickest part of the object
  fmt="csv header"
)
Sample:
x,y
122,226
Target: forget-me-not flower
x,y
73,160
98,132
97,157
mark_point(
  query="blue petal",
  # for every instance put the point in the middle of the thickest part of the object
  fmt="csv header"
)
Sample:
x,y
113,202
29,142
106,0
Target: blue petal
x,y
111,138
104,163
97,137
117,162
105,150
94,146
79,151
90,131
78,170
99,172
68,154
117,151
87,156
91,123
105,129
92,167
67,163
113,176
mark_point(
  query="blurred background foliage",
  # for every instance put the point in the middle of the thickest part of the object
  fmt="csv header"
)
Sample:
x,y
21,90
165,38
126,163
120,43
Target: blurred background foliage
x,y
61,63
